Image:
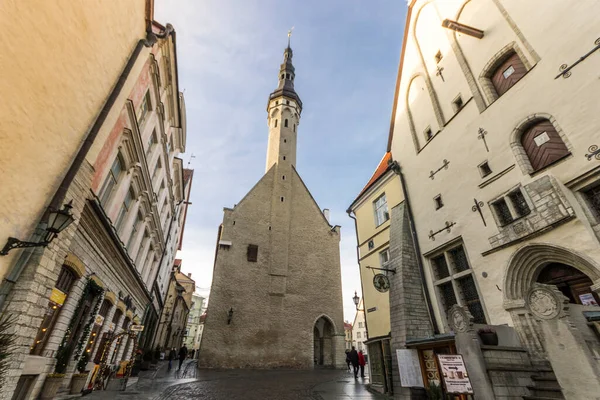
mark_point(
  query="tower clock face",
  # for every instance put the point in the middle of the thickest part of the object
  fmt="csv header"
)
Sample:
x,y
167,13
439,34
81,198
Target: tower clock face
x,y
381,283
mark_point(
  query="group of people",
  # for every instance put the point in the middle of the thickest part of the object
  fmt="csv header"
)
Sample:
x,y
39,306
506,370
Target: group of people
x,y
183,353
357,359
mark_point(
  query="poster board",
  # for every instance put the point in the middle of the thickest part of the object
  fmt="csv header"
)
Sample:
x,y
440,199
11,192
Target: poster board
x,y
454,374
409,367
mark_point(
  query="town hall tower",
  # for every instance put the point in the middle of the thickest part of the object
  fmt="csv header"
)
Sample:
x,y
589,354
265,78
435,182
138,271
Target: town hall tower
x,y
276,295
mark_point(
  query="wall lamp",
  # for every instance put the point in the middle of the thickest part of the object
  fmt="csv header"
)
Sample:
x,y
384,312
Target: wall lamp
x,y
58,220
229,316
356,299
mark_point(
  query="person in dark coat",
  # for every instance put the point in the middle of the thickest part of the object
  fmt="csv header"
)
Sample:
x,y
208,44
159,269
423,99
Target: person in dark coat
x,y
172,356
361,363
353,356
348,359
182,354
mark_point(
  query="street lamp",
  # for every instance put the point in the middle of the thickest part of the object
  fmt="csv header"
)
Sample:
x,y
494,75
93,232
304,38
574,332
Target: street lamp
x,y
356,299
58,220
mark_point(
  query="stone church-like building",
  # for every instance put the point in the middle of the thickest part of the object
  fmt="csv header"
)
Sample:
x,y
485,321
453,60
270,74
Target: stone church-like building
x,y
276,296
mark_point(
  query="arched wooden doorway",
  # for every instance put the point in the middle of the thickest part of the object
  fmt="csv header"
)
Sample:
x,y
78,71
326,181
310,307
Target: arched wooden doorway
x,y
323,348
572,283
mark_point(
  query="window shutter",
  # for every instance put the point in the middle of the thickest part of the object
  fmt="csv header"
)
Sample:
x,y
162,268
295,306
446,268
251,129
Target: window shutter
x,y
252,253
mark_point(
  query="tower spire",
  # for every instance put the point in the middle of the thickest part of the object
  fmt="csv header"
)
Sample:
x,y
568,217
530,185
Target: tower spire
x,y
287,75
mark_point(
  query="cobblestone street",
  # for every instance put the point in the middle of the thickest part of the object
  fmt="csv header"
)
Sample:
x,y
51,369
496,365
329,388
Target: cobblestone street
x,y
243,384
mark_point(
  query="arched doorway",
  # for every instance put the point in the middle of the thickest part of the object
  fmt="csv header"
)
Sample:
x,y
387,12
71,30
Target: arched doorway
x,y
573,284
323,332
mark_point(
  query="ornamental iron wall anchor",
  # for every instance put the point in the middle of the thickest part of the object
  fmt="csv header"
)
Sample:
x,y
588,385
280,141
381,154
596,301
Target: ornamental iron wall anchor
x,y
565,70
447,228
481,136
444,166
594,153
477,207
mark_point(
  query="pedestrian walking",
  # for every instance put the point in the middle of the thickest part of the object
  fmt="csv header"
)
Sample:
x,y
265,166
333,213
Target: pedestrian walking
x,y
348,359
172,356
182,355
193,354
353,356
361,363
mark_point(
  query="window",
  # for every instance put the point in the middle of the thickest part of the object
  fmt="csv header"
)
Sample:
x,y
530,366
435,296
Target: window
x,y
124,210
285,123
111,180
457,103
252,253
275,123
508,73
384,258
64,283
294,127
287,102
360,324
144,108
358,335
381,210
543,145
157,166
428,133
437,200
484,169
593,199
510,207
438,57
151,142
453,278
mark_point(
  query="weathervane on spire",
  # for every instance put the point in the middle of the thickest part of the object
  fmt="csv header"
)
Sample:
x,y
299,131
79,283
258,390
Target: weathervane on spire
x,y
290,35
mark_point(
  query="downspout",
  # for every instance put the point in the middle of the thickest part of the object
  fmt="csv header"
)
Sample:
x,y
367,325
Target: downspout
x,y
18,267
349,211
395,166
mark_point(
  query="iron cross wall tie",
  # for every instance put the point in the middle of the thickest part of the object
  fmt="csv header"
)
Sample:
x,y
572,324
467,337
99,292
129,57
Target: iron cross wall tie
x,y
565,70
594,152
447,228
481,136
444,166
439,72
477,207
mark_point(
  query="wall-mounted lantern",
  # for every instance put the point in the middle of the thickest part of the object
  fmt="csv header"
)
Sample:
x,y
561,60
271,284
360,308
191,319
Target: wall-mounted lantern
x,y
229,316
58,220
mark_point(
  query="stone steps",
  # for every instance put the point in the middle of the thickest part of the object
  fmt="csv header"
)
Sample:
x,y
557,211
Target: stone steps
x,y
546,392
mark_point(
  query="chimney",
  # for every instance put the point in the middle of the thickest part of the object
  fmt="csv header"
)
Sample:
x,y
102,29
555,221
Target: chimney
x,y
189,274
326,213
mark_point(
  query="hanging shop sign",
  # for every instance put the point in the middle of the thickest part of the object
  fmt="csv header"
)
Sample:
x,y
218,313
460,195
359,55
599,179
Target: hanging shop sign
x,y
99,320
454,374
409,367
136,328
57,296
381,283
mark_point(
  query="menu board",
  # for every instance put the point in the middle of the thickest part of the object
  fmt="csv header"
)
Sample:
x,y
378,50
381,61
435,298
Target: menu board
x,y
455,374
410,368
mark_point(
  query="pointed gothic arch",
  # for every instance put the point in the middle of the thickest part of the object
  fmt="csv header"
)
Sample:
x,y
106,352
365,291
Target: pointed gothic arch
x,y
324,333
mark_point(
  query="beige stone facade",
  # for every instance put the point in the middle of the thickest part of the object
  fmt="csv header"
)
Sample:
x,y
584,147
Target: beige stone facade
x,y
127,197
194,325
492,132
276,298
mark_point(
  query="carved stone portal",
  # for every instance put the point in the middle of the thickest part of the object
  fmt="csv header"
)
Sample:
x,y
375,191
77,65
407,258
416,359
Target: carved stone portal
x,y
546,301
460,319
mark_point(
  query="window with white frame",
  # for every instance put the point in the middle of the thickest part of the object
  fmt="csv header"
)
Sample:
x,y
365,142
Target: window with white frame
x,y
360,324
112,179
454,281
145,108
381,210
510,207
358,335
125,207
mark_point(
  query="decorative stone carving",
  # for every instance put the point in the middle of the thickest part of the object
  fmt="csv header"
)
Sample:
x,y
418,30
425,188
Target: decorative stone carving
x,y
545,301
460,319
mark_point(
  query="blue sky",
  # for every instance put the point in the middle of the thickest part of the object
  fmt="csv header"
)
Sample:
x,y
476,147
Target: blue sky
x,y
346,57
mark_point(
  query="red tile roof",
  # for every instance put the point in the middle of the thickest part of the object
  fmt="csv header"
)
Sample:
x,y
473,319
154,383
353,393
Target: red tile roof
x,y
177,262
382,168
347,326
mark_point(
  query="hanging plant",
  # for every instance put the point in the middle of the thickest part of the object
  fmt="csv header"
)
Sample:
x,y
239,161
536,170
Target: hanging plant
x,y
65,350
6,343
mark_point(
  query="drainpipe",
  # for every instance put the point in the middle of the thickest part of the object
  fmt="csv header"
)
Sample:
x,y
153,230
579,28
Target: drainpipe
x,y
349,212
18,267
395,166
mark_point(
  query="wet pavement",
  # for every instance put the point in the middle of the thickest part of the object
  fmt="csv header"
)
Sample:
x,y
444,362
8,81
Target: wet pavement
x,y
205,384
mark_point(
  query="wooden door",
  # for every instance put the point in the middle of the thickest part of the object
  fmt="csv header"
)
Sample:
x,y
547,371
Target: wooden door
x,y
508,74
543,145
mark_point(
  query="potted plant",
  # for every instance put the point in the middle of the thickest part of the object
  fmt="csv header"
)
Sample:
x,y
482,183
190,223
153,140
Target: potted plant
x,y
54,380
79,380
488,336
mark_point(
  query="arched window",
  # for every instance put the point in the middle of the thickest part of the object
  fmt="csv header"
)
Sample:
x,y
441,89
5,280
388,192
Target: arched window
x,y
542,144
275,123
508,73
112,179
285,123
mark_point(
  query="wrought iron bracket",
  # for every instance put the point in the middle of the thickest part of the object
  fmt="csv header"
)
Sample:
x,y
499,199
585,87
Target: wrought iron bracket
x,y
444,166
447,228
565,70
594,153
477,207
481,136
392,270
14,243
